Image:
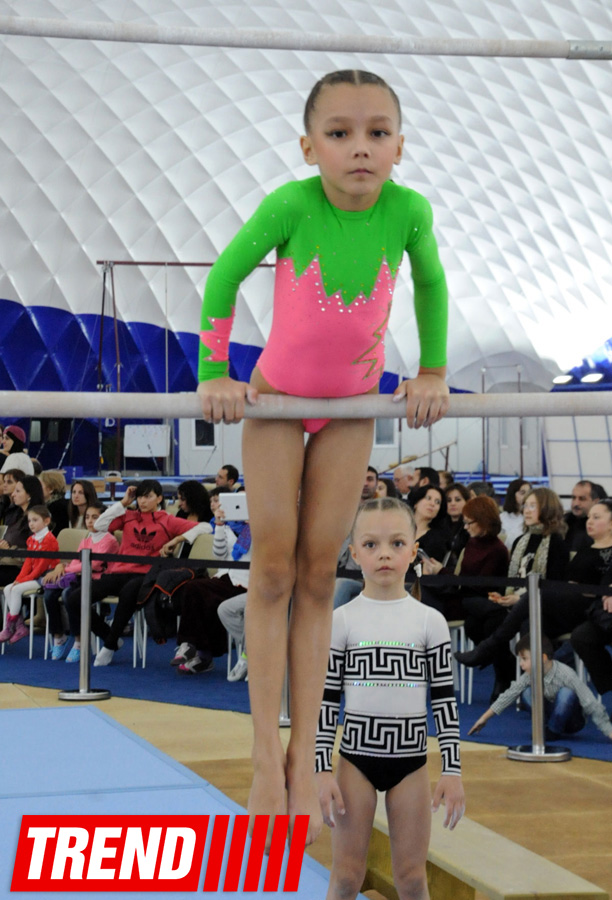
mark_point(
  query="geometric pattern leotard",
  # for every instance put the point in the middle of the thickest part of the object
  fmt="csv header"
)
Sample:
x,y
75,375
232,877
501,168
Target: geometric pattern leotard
x,y
335,275
384,656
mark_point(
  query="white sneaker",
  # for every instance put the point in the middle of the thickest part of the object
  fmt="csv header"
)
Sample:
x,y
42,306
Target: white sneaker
x,y
239,672
104,657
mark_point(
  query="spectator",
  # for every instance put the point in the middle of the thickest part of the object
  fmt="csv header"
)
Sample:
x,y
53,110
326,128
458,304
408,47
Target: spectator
x,y
33,568
54,491
146,532
201,635
64,578
9,480
404,479
347,588
231,614
427,475
82,495
512,511
227,477
13,447
37,467
386,488
584,495
370,484
477,488
446,479
429,505
27,492
457,496
484,555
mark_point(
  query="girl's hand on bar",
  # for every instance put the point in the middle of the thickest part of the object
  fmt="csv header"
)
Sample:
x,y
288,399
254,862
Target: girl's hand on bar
x,y
223,399
426,397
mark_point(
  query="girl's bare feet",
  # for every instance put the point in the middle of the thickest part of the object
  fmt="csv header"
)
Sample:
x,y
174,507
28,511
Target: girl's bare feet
x,y
303,797
268,790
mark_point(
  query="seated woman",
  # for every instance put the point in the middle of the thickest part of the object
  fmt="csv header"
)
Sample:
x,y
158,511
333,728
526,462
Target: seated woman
x,y
457,496
194,506
201,634
9,480
54,490
484,554
386,488
512,510
82,495
541,549
592,638
27,492
13,448
146,532
429,506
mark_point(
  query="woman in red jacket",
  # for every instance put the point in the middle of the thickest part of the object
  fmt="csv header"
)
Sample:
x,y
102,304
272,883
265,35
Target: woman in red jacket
x,y
39,521
146,532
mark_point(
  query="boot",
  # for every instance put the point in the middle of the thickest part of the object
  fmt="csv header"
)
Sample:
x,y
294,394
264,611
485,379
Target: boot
x,y
482,655
20,631
9,629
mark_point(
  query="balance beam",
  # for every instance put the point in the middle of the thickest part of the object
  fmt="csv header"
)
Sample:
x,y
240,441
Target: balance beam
x,y
473,858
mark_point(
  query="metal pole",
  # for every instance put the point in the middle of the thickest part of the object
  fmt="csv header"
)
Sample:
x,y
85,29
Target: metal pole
x,y
484,429
85,692
93,405
269,39
537,751
518,387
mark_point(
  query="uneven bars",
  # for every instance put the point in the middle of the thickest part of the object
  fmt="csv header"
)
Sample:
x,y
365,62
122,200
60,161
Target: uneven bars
x,y
269,39
82,405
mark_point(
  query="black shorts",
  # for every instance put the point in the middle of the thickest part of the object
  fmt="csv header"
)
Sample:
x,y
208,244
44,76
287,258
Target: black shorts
x,y
384,772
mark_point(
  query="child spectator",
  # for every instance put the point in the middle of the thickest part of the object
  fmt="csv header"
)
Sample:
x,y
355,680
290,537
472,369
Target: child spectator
x,y
28,579
63,578
568,702
381,641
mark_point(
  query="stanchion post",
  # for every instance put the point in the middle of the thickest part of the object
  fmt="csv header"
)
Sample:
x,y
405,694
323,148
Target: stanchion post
x,y
537,751
85,692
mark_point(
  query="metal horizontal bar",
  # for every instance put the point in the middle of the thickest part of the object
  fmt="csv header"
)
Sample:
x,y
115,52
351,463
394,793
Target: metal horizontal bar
x,y
47,404
269,39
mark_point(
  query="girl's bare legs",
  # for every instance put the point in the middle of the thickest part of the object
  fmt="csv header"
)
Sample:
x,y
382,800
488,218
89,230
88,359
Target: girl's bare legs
x,y
273,459
351,834
335,466
409,816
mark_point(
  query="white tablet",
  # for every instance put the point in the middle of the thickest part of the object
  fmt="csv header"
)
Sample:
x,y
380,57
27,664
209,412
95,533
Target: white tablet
x,y
234,507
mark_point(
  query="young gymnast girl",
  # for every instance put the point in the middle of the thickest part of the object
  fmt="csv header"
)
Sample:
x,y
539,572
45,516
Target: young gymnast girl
x,y
339,238
387,649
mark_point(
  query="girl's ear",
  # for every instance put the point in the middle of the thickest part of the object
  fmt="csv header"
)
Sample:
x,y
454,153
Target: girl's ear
x,y
353,554
308,152
400,149
415,547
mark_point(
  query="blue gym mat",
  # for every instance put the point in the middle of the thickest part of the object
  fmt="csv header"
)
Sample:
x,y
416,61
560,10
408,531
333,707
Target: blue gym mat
x,y
79,761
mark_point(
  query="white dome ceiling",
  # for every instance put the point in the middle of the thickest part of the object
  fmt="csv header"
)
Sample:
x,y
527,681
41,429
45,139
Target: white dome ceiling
x,y
147,152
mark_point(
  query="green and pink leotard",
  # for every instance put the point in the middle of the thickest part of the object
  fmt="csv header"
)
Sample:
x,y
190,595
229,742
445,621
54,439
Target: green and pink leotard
x,y
335,275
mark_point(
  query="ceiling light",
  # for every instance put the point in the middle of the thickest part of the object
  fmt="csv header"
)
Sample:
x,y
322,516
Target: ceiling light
x,y
592,377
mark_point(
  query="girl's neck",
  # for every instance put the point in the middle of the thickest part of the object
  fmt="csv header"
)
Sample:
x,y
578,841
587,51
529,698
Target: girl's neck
x,y
396,591
603,543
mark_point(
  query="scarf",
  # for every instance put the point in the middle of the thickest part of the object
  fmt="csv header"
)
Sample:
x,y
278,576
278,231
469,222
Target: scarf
x,y
540,560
